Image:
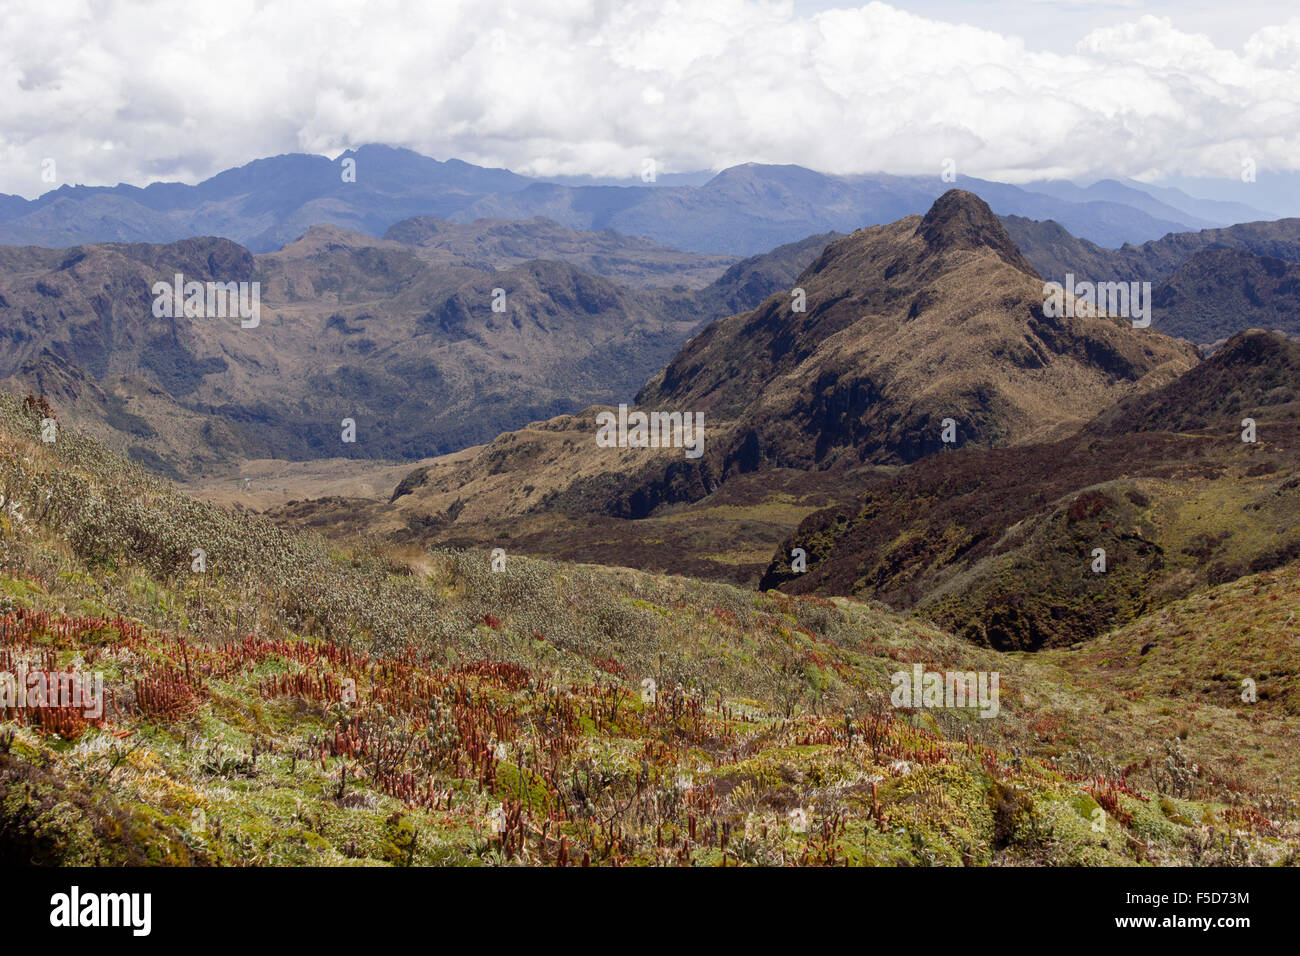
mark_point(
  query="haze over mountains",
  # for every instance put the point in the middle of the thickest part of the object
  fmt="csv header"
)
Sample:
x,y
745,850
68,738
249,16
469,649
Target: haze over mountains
x,y
743,210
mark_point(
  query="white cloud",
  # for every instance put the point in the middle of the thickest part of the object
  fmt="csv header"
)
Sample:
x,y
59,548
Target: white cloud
x,y
181,91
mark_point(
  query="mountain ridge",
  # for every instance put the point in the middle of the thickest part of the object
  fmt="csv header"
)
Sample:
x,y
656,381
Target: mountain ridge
x,y
744,210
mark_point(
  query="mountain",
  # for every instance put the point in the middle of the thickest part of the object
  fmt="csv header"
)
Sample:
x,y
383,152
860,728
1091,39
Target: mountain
x,y
743,210
401,338
1113,191
1000,544
753,279
1218,292
1275,192
906,325
1208,285
138,418
93,306
501,243
754,206
263,204
926,319
1054,251
1255,374
1217,211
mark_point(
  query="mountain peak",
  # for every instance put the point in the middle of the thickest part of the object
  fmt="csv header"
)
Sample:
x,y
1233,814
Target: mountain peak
x,y
1253,346
961,220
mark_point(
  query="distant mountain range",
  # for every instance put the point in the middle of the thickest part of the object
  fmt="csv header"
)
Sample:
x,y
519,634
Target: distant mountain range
x,y
1161,203
743,210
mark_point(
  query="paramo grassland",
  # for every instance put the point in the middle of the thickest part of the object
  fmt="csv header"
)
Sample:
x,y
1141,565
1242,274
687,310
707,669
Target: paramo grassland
x,y
294,704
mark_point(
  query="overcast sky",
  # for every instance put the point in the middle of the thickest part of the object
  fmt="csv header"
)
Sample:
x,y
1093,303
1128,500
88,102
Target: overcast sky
x,y
1016,90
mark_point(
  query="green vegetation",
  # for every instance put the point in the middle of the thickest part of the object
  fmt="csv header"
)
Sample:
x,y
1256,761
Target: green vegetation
x,y
294,704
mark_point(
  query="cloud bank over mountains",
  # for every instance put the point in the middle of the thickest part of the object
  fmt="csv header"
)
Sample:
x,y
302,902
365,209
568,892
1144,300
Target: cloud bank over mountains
x,y
162,90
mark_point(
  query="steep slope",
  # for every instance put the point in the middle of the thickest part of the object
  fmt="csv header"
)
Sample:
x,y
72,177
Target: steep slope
x,y
1218,292
1224,663
93,306
137,418
412,352
907,325
1255,374
1000,545
752,280
1054,251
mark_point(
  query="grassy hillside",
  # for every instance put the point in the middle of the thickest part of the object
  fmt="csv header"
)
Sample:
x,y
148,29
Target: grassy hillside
x,y
501,717
1182,672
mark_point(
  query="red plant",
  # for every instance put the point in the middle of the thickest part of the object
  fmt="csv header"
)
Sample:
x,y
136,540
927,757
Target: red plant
x,y
166,693
609,665
1107,792
38,405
